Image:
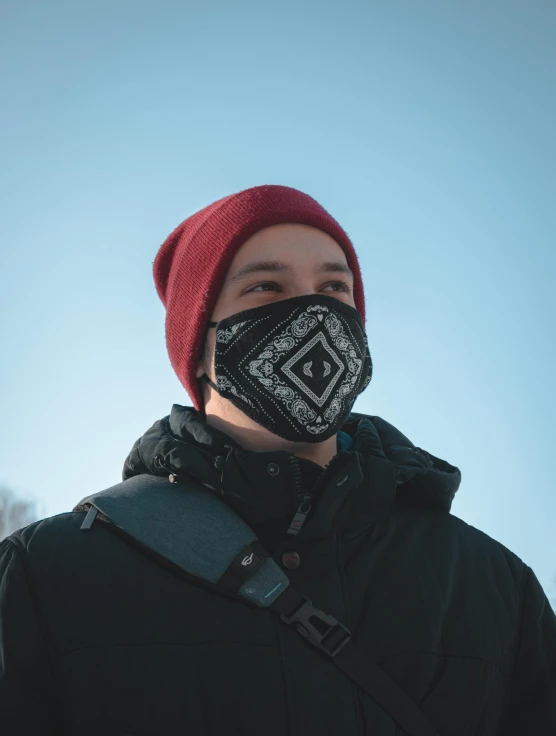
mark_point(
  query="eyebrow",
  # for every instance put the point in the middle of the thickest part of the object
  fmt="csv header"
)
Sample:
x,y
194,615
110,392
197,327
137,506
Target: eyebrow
x,y
280,267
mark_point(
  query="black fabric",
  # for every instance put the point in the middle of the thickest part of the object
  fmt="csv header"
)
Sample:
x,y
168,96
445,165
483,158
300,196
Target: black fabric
x,y
99,636
395,701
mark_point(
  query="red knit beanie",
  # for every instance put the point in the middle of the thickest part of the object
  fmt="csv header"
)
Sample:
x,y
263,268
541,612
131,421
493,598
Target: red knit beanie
x,y
191,265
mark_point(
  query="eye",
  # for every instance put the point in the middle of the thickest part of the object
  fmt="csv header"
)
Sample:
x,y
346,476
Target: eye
x,y
264,286
338,286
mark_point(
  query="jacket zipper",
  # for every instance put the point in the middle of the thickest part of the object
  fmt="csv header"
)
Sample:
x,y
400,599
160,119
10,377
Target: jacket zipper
x,y
305,498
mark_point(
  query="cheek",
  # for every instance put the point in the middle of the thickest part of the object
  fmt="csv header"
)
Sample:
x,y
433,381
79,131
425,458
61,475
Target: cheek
x,y
208,351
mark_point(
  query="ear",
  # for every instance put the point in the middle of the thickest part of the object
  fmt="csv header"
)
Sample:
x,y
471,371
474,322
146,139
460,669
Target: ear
x,y
201,370
203,364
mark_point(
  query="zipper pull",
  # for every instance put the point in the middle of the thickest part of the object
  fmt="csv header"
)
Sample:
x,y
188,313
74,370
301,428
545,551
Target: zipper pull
x,y
173,476
89,519
300,515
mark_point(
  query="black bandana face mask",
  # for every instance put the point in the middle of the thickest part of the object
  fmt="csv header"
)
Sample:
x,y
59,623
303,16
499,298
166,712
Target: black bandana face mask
x,y
295,366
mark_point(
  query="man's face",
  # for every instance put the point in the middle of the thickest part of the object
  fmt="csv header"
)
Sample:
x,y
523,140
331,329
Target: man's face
x,y
280,262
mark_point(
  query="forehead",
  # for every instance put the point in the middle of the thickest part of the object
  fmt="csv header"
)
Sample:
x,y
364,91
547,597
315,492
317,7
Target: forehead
x,y
291,243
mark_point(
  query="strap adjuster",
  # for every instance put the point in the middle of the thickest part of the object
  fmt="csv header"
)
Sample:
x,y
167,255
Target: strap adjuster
x,y
320,629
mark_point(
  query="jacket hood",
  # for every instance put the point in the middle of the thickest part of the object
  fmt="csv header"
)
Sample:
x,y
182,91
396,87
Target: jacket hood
x,y
183,444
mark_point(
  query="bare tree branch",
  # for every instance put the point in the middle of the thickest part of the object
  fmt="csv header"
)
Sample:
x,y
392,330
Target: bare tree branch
x,y
15,512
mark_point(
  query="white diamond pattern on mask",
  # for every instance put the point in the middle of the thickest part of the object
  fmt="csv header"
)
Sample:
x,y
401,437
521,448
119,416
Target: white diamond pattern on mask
x,y
287,369
262,368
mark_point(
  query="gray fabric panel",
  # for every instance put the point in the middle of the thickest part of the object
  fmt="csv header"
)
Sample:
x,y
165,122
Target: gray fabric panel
x,y
189,526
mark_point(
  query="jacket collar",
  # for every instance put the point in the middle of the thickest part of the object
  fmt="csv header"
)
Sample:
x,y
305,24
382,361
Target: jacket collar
x,y
381,468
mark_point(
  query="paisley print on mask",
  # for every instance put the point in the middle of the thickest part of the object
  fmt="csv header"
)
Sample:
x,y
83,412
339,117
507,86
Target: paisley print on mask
x,y
295,366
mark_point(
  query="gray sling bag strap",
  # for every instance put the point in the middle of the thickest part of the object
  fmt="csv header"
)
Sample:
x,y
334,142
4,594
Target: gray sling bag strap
x,y
202,536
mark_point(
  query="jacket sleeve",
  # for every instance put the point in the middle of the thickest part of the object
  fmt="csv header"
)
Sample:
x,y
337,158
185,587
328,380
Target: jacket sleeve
x,y
532,696
26,698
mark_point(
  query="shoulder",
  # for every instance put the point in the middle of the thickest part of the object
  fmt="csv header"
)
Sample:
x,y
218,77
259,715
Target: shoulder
x,y
54,535
31,556
52,531
56,545
466,551
485,544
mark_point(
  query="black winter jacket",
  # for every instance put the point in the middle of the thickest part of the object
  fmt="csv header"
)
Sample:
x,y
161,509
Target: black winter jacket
x,y
98,636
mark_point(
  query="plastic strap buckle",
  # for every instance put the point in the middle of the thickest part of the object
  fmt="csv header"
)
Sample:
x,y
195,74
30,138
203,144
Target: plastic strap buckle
x,y
321,630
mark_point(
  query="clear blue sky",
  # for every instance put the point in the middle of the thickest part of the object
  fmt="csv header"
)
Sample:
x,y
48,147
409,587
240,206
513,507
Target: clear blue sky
x,y
426,128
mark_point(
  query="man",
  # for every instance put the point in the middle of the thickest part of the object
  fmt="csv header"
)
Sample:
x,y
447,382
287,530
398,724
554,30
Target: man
x,y
265,330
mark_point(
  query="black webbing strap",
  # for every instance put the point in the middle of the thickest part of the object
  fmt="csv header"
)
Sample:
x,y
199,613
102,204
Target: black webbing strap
x,y
334,640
